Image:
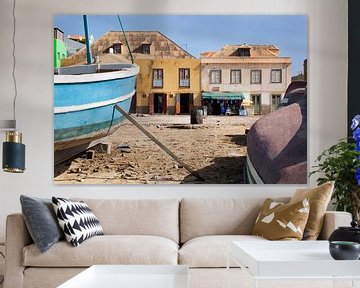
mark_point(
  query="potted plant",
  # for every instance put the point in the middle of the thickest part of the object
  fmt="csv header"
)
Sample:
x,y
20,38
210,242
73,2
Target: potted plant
x,y
341,163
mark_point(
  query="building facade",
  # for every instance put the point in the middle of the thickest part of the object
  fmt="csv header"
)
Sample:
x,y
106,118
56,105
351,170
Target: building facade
x,y
169,77
73,46
60,51
253,76
168,86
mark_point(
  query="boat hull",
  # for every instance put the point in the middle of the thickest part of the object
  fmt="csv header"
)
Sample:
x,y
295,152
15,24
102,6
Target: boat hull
x,y
84,105
277,142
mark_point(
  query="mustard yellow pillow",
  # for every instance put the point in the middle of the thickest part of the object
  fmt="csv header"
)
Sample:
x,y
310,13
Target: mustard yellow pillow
x,y
319,198
279,221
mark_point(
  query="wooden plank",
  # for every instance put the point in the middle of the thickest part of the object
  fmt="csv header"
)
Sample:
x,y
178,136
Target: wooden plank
x,y
66,154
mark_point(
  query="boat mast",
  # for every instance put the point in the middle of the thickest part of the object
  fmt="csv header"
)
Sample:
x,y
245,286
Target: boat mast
x,y
87,41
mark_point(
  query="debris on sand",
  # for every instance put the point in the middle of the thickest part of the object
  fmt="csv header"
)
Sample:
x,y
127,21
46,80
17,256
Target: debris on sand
x,y
216,151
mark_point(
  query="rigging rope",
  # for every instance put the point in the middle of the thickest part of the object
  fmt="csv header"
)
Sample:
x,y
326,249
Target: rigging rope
x,y
127,43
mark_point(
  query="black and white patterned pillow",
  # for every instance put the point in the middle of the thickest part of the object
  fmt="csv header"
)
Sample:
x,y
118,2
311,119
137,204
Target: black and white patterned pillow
x,y
77,220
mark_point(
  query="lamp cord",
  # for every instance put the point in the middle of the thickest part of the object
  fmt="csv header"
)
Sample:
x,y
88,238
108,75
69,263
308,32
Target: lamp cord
x,y
14,61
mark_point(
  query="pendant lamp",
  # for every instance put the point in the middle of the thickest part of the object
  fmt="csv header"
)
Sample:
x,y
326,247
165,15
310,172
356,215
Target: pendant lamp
x,y
13,158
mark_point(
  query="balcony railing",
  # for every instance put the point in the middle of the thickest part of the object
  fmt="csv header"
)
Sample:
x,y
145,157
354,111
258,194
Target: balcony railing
x,y
184,83
157,83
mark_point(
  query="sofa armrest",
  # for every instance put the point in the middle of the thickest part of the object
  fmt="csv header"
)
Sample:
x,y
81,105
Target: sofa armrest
x,y
17,237
333,220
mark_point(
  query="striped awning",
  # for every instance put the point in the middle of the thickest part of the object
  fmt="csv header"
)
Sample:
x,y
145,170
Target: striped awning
x,y
223,95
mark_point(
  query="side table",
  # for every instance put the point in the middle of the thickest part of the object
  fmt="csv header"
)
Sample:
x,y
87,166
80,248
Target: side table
x,y
293,264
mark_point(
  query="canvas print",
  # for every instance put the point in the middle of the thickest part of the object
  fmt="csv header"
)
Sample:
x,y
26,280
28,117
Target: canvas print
x,y
180,99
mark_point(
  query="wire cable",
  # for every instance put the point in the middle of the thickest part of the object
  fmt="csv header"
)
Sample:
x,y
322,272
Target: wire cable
x,y
14,61
127,43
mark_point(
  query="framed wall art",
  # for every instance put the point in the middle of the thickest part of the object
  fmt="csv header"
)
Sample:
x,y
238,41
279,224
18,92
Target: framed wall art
x,y
180,99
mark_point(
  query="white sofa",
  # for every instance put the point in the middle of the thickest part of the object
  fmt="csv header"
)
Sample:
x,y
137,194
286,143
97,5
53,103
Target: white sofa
x,y
194,232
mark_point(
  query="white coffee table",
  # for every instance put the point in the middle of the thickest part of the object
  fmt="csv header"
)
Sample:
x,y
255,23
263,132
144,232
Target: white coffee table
x,y
293,260
131,276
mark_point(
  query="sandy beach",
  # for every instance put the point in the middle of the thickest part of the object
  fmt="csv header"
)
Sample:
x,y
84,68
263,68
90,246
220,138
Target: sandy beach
x,y
215,149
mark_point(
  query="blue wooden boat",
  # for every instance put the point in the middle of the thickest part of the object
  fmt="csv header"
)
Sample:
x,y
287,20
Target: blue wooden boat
x,y
84,100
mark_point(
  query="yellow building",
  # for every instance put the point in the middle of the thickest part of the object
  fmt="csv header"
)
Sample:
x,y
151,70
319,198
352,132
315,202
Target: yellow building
x,y
168,86
169,79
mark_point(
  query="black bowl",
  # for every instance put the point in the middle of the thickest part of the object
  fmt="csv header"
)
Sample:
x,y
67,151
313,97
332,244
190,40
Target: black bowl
x,y
344,250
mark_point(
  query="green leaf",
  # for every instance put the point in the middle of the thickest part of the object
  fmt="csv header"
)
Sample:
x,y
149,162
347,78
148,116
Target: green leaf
x,y
339,163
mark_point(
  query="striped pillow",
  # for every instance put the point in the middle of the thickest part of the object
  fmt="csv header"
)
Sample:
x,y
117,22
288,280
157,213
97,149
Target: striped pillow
x,y
76,220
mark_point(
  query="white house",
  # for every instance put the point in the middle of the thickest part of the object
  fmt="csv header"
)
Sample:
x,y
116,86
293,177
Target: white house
x,y
253,73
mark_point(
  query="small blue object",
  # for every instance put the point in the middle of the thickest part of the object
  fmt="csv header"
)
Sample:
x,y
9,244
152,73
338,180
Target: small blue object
x,y
356,134
355,122
243,112
357,146
357,176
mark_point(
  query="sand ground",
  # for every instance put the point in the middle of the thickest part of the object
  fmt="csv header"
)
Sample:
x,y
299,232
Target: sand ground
x,y
216,150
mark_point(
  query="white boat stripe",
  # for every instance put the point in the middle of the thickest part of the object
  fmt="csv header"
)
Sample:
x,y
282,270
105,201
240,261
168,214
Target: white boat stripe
x,y
73,108
253,172
248,174
96,77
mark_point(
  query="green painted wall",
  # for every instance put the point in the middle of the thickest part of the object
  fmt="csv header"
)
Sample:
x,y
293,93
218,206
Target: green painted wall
x,y
60,52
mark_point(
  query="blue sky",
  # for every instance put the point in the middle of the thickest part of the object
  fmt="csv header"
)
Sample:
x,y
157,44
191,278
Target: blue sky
x,y
205,33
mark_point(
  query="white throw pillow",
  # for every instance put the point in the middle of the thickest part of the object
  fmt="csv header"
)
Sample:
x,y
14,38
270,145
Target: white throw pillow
x,y
76,220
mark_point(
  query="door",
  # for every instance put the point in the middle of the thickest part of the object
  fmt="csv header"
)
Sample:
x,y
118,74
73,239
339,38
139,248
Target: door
x,y
151,103
164,104
177,104
191,102
184,103
275,102
256,99
160,103
133,104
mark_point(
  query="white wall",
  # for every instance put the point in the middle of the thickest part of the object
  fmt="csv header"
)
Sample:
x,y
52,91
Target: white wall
x,y
245,86
327,89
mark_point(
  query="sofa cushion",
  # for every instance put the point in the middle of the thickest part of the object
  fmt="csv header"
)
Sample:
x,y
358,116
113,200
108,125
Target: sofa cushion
x,y
77,220
107,249
319,198
201,217
137,217
279,221
41,221
211,251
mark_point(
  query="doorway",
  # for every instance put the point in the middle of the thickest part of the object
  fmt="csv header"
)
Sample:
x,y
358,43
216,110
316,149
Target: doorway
x,y
185,103
133,104
256,99
160,103
275,102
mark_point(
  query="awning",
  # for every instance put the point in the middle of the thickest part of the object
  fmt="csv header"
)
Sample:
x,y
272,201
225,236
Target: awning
x,y
223,95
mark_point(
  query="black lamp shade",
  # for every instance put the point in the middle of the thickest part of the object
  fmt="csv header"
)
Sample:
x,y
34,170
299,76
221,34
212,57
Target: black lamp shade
x,y
13,157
